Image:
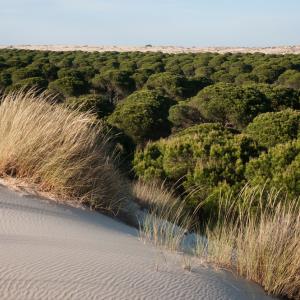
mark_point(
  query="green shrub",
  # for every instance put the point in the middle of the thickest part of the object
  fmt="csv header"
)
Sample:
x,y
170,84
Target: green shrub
x,y
94,103
230,104
68,86
5,80
280,167
116,84
203,157
182,116
25,73
280,97
290,78
268,72
167,84
38,83
273,128
142,116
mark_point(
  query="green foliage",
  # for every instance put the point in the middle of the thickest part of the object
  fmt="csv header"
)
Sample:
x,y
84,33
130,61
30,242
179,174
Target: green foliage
x,y
38,83
279,97
291,79
94,103
182,116
142,115
28,72
202,158
5,80
167,84
280,167
268,72
67,86
116,84
270,129
230,104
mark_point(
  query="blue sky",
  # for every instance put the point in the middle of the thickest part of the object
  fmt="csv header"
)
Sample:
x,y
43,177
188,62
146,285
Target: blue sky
x,y
157,22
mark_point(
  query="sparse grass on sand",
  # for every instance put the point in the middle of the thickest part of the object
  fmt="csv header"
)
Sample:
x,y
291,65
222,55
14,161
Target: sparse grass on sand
x,y
257,236
62,152
166,221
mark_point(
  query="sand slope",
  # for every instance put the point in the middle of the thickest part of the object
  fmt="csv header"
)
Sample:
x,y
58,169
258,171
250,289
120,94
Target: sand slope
x,y
165,49
51,251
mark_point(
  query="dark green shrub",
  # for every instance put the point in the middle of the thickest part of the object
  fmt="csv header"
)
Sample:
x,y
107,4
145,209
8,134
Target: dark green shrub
x,y
142,116
68,86
38,83
273,128
291,79
25,73
280,97
182,116
116,84
167,84
69,72
5,80
268,72
230,104
95,103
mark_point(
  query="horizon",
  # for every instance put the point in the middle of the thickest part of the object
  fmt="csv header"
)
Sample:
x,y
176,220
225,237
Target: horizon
x,y
227,23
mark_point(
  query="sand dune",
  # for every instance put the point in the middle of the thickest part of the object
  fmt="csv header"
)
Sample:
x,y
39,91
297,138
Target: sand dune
x,y
53,251
165,49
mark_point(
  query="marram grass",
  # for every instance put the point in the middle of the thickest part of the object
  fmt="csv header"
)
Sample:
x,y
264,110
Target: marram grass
x,y
257,236
61,151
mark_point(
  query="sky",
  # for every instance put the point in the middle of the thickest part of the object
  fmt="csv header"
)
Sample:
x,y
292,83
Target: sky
x,y
157,22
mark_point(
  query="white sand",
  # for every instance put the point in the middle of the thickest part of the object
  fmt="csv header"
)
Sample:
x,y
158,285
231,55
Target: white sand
x,y
165,49
53,251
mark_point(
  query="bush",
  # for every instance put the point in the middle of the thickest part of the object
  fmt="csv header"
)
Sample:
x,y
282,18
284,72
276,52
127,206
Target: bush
x,y
268,72
25,73
280,167
273,128
94,103
29,83
68,86
167,84
279,97
61,151
229,104
182,116
142,116
116,84
201,157
5,80
291,79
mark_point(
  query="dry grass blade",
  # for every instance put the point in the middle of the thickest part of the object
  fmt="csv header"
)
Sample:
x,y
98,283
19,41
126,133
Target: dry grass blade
x,y
167,220
61,151
260,241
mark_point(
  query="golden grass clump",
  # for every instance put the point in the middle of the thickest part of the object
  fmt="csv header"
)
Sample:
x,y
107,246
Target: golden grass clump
x,y
256,235
61,151
153,195
167,220
260,240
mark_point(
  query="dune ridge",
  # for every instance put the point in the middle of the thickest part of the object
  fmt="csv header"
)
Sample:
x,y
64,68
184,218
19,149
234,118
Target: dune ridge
x,y
295,49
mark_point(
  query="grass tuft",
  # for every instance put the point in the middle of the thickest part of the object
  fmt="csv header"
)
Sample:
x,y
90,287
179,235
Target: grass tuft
x,y
61,151
259,241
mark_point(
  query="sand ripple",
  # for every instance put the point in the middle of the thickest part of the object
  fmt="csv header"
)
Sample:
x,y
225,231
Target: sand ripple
x,y
50,251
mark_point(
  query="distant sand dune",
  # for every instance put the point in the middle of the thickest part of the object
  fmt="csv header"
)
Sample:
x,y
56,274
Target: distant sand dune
x,y
165,49
53,251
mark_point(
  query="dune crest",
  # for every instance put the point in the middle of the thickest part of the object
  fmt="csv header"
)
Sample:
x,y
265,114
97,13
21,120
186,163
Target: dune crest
x,y
165,49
